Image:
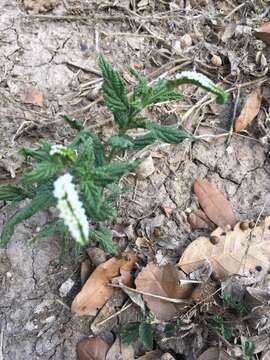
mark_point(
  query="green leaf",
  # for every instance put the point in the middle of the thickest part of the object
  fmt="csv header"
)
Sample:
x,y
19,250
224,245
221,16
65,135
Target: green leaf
x,y
39,202
170,330
144,140
12,193
248,347
111,173
114,88
169,133
130,332
105,239
146,335
95,207
41,154
75,124
56,226
193,77
42,171
121,142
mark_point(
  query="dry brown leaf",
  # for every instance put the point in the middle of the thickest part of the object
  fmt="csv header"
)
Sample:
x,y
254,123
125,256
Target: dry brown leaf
x,y
243,252
92,349
151,355
85,270
214,353
263,32
162,281
95,292
33,96
215,205
198,220
250,110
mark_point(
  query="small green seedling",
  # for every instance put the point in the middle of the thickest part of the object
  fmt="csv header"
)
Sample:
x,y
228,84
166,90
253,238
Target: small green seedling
x,y
142,330
80,179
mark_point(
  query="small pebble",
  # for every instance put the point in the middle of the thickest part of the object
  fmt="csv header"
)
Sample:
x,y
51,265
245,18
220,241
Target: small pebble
x,y
66,287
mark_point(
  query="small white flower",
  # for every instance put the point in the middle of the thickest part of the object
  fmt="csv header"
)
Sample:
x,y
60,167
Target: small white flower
x,y
57,149
63,151
71,208
193,75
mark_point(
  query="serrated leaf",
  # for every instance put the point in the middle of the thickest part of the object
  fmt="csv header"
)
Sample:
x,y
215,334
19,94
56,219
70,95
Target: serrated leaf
x,y
40,202
142,141
111,173
130,332
114,88
12,193
169,133
56,226
146,335
96,208
105,239
121,142
42,172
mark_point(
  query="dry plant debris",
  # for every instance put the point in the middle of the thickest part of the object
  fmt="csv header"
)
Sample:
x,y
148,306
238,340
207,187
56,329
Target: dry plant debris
x,y
33,96
162,281
95,292
250,110
215,205
243,251
92,349
39,6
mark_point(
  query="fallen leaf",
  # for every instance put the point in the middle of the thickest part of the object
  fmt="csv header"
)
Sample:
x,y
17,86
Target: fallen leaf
x,y
240,252
250,110
162,281
33,96
199,220
214,353
146,168
94,348
151,355
215,205
263,33
95,292
85,270
205,293
104,321
115,351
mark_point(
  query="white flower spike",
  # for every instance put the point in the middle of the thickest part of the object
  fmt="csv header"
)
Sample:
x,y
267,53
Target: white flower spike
x,y
71,208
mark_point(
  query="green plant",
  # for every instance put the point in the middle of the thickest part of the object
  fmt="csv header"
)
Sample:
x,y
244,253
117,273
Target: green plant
x,y
142,330
248,348
81,178
239,307
225,330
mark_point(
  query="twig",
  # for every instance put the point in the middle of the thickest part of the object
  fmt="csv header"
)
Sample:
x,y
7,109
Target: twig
x,y
236,101
1,344
176,301
235,10
125,307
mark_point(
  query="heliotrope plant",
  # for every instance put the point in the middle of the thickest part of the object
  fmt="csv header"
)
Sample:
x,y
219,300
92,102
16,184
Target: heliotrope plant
x,y
80,179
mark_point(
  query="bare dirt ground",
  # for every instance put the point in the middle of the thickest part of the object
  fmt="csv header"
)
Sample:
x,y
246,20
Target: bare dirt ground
x,y
59,58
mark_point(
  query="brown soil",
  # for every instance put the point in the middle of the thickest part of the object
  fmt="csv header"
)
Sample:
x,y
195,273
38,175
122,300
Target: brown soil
x,y
59,57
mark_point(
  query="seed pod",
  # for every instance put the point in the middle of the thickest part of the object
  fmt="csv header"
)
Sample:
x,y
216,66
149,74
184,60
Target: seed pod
x,y
186,41
216,60
214,239
244,225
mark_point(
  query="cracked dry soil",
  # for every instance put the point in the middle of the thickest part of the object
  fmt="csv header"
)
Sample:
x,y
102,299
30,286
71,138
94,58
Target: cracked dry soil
x,y
35,322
